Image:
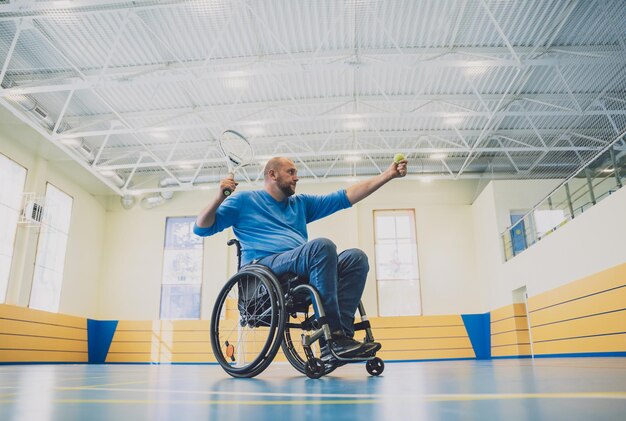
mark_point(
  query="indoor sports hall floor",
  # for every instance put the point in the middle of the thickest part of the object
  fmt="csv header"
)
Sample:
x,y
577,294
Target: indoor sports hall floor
x,y
511,389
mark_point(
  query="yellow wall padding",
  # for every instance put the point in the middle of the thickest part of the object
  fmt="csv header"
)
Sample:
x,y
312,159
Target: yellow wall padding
x,y
585,316
28,335
509,331
415,337
161,341
422,337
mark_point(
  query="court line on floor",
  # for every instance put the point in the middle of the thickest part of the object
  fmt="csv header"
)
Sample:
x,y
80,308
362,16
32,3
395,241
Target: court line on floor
x,y
440,396
213,402
100,386
317,401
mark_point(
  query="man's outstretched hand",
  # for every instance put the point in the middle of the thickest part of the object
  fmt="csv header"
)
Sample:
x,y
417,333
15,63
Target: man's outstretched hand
x,y
398,169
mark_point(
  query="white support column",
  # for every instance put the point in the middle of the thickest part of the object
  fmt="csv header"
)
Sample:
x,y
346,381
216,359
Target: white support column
x,y
547,104
104,142
478,95
132,173
515,141
569,90
302,162
532,124
501,32
7,60
489,121
62,113
508,155
116,42
457,25
330,168
105,102
557,29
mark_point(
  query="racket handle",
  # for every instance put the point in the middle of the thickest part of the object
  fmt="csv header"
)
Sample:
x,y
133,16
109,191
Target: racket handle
x,y
227,192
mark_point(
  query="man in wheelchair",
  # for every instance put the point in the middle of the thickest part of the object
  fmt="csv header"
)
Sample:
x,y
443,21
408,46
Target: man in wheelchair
x,y
271,226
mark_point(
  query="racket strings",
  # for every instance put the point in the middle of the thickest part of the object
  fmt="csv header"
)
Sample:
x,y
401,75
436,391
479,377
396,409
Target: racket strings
x,y
236,149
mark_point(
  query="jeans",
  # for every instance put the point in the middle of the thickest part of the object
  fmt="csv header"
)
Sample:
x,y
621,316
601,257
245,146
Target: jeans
x,y
340,279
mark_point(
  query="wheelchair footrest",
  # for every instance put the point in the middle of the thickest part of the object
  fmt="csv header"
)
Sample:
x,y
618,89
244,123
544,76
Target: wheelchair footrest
x,y
362,325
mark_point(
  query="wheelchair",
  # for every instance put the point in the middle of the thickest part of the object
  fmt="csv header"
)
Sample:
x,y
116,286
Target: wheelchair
x,y
257,312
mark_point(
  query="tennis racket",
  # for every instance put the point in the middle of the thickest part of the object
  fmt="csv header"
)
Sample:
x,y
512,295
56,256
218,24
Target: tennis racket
x,y
237,152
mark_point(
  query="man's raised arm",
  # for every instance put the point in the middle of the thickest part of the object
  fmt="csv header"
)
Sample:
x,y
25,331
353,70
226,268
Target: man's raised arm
x,y
206,218
361,190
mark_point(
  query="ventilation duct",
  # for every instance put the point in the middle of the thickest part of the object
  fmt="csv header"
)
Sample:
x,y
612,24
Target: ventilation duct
x,y
26,102
203,179
127,201
114,177
154,200
30,105
167,195
85,151
73,142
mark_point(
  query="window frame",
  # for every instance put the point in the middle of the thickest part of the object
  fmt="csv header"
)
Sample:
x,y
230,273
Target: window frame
x,y
165,232
32,285
412,212
17,224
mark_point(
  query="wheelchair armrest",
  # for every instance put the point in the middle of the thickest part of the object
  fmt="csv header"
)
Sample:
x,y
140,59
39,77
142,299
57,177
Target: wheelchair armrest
x,y
238,244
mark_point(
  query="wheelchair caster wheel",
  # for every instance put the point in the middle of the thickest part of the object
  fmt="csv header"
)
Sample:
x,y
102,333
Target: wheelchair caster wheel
x,y
375,367
314,368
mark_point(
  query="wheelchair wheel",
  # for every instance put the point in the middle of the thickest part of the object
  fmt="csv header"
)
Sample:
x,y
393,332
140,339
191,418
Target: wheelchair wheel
x,y
375,367
296,325
247,323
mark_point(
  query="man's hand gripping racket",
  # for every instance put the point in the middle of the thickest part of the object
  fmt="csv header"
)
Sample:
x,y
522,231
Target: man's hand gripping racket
x,y
237,153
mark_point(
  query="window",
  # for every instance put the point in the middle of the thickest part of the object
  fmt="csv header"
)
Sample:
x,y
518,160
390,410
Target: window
x,y
518,232
51,247
11,190
182,270
547,220
397,272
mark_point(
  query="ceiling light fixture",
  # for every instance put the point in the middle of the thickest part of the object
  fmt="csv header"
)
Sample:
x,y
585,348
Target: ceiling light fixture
x,y
474,71
237,80
353,124
453,121
255,131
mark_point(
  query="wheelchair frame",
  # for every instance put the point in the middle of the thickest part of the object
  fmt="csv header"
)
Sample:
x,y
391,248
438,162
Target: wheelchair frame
x,y
277,305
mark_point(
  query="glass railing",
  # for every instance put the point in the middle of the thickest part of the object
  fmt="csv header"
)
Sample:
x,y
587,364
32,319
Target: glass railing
x,y
603,176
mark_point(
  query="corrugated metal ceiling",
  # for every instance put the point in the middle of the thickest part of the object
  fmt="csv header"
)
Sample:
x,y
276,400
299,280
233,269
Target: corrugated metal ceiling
x,y
138,92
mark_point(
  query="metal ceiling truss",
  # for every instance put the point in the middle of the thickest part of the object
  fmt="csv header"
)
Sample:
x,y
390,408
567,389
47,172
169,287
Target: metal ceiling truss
x,y
494,99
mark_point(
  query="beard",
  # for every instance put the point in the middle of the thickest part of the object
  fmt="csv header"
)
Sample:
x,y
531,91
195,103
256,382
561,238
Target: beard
x,y
287,189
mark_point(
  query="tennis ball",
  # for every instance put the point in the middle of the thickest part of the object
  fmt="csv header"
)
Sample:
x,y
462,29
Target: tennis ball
x,y
398,157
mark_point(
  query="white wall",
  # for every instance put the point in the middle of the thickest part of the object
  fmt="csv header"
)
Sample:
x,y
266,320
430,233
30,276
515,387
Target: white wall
x,y
133,250
591,243
114,259
133,258
84,250
518,195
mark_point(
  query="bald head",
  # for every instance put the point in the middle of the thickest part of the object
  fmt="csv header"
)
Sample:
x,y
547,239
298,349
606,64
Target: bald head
x,y
281,177
275,164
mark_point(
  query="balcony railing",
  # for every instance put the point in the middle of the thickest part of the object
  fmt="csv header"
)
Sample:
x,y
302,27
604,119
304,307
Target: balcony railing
x,y
600,178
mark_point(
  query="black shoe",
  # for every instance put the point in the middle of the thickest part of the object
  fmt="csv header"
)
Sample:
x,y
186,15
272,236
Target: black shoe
x,y
344,346
369,349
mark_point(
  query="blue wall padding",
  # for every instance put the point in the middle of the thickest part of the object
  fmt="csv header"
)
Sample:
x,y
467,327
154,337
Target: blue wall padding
x,y
478,328
99,337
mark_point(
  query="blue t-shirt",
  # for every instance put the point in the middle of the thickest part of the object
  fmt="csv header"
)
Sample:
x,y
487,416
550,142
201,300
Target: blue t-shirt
x,y
265,226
